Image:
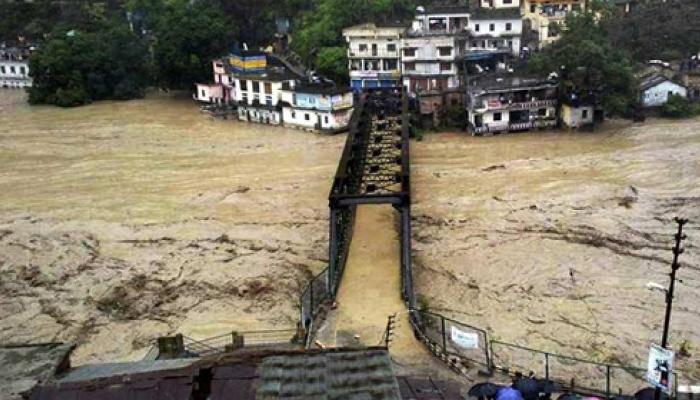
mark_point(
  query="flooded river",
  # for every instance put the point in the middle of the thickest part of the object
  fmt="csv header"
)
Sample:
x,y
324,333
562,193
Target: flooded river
x,y
122,221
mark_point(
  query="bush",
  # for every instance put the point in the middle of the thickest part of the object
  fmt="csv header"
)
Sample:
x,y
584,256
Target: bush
x,y
678,106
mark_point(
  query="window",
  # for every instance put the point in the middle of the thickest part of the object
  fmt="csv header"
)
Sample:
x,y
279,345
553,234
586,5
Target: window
x,y
12,69
409,52
533,8
244,85
507,1
496,116
542,112
307,117
256,86
390,65
2,69
268,88
584,114
445,51
204,93
326,119
294,115
22,71
476,27
363,47
219,65
445,66
509,26
391,47
492,27
510,44
410,66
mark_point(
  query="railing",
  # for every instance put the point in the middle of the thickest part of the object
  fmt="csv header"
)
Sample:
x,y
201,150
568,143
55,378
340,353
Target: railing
x,y
521,105
315,294
276,338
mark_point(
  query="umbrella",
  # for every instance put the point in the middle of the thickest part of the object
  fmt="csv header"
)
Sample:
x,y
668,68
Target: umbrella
x,y
529,387
548,386
649,394
569,396
508,393
484,389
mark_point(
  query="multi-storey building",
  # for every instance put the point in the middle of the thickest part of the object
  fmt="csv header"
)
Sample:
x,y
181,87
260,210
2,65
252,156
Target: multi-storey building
x,y
273,95
547,18
374,55
496,29
429,49
316,106
497,103
14,68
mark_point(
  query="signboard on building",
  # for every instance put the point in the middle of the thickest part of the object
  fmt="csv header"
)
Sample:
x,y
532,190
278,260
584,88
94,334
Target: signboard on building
x,y
466,340
660,367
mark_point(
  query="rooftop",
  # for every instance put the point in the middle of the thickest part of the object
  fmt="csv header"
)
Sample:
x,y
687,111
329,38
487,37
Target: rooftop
x,y
653,80
334,373
276,74
393,29
496,13
23,366
328,89
503,82
445,9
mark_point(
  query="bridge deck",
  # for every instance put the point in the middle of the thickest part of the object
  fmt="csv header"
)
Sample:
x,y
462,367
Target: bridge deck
x,y
370,291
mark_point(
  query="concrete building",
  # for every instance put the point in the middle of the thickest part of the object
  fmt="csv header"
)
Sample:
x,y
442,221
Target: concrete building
x,y
374,55
654,90
504,103
257,95
496,29
546,19
14,68
577,115
429,49
316,106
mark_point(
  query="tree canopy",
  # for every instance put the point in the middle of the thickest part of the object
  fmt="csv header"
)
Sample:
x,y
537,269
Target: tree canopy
x,y
77,67
188,35
589,64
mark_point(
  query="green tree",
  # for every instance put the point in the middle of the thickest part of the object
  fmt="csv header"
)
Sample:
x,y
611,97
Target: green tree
x,y
589,65
332,62
678,107
188,36
108,63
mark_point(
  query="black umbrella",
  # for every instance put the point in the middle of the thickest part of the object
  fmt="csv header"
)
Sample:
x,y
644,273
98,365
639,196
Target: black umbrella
x,y
569,396
484,389
548,386
649,394
528,387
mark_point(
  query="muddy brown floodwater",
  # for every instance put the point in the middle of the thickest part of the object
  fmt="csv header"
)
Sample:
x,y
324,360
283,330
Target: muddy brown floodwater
x,y
123,221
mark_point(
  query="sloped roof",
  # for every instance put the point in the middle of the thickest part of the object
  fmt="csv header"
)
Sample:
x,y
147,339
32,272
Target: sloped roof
x,y
23,366
654,80
496,13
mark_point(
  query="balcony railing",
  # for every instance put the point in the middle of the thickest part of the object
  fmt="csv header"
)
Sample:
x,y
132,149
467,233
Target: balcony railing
x,y
524,105
514,126
373,53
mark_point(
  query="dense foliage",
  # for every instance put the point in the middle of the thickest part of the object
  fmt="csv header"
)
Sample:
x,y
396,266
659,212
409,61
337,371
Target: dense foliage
x,y
77,67
589,65
188,35
679,107
657,30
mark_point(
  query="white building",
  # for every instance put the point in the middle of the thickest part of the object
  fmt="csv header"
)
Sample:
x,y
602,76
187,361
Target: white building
x,y
429,49
257,96
316,106
655,90
496,29
510,103
373,55
14,69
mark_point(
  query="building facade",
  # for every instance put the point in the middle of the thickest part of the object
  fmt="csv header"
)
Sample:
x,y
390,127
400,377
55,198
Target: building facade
x,y
14,69
374,55
655,90
547,18
496,29
508,103
316,106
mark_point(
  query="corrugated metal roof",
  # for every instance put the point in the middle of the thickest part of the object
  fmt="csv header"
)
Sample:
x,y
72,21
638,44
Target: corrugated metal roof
x,y
98,371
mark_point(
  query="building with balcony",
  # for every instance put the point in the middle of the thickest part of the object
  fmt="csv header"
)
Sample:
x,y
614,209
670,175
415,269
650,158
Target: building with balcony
x,y
429,49
496,30
318,106
497,4
14,68
374,55
546,19
505,103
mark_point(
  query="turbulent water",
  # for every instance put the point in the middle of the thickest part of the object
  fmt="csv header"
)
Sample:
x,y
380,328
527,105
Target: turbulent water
x,y
123,221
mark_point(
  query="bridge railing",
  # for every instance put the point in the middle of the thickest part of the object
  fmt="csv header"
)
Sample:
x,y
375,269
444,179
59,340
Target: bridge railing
x,y
314,295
